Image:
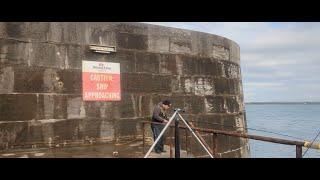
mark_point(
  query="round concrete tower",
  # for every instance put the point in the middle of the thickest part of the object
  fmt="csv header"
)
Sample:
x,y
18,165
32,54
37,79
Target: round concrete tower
x,y
41,81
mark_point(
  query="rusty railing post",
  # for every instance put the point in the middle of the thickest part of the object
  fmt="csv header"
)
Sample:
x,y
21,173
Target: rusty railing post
x,y
186,140
170,142
298,151
143,138
214,144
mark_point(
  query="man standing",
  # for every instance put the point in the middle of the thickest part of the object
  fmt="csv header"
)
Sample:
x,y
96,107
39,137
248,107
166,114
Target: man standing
x,y
159,115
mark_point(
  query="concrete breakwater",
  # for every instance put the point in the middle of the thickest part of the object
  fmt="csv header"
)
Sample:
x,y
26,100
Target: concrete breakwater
x,y
41,82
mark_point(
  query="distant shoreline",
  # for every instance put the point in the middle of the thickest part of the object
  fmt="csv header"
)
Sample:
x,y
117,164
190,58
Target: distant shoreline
x,y
282,102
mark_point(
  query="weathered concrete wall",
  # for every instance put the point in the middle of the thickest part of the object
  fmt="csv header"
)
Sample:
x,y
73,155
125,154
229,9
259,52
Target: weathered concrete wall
x,y
40,80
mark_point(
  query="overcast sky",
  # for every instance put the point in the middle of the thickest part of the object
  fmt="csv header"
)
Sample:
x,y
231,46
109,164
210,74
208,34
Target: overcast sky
x,y
279,61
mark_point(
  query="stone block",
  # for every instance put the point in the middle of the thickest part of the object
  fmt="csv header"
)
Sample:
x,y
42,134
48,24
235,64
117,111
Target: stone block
x,y
232,104
13,133
28,79
235,53
147,62
194,104
132,41
133,83
126,59
186,84
168,64
74,56
192,65
110,110
226,86
132,28
91,127
51,81
128,106
231,70
181,46
210,121
126,128
229,122
35,134
200,44
66,130
70,81
14,52
223,143
27,30
6,79
18,107
60,107
215,104
158,44
102,36
92,109
73,32
234,142
234,86
203,86
145,106
48,106
176,85
75,107
220,52
47,55
107,129
3,29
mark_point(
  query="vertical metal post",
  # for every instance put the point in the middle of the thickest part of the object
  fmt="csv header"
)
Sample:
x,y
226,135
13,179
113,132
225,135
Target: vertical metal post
x,y
170,142
186,140
298,151
143,138
190,143
214,144
176,138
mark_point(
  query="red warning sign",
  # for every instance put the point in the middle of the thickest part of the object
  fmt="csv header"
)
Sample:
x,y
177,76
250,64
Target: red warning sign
x,y
100,81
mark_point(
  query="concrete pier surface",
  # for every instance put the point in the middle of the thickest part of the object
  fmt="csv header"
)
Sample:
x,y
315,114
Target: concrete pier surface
x,y
131,150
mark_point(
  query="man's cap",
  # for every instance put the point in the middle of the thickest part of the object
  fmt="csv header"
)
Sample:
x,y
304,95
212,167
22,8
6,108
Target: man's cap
x,y
166,102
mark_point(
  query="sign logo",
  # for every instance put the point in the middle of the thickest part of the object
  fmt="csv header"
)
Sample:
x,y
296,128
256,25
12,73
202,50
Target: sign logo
x,y
101,81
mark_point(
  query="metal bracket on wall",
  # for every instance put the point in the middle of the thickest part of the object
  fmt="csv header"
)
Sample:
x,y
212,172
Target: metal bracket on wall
x,y
102,48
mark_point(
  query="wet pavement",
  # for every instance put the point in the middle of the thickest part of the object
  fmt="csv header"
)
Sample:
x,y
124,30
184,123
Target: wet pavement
x,y
183,154
129,150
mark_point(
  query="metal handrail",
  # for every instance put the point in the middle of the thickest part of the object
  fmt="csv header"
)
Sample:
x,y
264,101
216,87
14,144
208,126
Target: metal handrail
x,y
214,132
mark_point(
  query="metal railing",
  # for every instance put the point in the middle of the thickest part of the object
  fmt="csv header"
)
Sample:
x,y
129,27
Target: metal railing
x,y
214,133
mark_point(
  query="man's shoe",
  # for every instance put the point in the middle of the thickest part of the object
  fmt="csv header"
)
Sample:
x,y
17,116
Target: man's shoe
x,y
158,152
163,151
